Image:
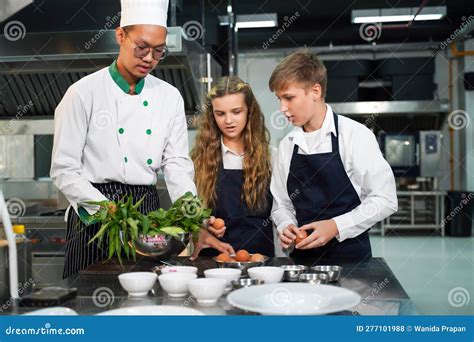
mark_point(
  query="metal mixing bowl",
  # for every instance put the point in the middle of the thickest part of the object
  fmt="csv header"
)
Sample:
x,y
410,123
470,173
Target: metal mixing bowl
x,y
241,265
246,282
161,246
292,272
314,278
333,272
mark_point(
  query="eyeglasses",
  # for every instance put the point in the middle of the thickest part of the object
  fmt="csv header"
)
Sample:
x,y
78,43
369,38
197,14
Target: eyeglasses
x,y
141,51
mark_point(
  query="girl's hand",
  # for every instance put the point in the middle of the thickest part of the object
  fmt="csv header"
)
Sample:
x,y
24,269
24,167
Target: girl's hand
x,y
206,240
217,231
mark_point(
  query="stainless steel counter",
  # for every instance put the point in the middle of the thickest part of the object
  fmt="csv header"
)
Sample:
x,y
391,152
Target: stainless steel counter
x,y
381,292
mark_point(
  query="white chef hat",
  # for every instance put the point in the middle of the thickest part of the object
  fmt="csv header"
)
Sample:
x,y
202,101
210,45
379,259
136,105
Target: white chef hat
x,y
144,12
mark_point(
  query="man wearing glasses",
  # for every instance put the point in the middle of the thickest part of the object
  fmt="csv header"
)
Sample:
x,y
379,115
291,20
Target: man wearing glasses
x,y
116,128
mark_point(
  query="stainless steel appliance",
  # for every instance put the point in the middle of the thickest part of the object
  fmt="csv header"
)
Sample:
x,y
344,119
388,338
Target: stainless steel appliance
x,y
413,155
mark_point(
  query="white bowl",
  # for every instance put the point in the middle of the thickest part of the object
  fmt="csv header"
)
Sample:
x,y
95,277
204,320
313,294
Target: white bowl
x,y
228,274
269,274
179,269
137,284
176,284
207,290
54,311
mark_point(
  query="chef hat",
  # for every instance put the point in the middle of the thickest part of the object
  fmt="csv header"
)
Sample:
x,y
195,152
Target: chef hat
x,y
144,12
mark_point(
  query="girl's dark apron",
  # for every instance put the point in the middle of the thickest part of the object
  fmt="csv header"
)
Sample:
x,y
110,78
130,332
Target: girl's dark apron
x,y
320,189
245,230
80,254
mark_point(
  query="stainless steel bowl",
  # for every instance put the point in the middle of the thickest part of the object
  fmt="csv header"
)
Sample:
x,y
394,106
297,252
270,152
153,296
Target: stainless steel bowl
x,y
314,278
292,272
243,266
333,272
246,282
161,246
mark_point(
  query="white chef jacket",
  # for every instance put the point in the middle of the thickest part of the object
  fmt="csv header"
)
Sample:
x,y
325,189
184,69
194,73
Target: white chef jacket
x,y
103,134
235,161
369,173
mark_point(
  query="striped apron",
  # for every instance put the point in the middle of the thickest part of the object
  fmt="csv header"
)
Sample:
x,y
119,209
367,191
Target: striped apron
x,y
79,254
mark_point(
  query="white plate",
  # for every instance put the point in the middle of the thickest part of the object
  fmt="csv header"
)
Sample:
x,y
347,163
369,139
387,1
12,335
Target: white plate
x,y
293,299
153,310
54,311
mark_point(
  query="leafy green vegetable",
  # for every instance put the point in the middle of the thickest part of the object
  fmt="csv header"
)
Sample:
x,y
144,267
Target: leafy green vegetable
x,y
122,223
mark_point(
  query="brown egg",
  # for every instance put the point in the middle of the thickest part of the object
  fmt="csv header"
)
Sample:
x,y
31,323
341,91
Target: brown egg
x,y
300,236
242,256
257,257
218,223
223,257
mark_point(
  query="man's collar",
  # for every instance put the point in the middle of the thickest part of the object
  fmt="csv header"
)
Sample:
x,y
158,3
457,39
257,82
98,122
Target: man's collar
x,y
120,81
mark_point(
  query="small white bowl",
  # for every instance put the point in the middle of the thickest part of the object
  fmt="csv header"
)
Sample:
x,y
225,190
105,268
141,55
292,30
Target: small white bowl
x,y
137,284
269,274
176,284
207,290
228,274
179,269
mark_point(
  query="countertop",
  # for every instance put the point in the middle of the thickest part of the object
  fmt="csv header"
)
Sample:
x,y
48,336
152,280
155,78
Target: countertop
x,y
99,289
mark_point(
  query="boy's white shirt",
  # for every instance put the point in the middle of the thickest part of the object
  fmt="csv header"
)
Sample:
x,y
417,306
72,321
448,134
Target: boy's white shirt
x,y
369,173
234,161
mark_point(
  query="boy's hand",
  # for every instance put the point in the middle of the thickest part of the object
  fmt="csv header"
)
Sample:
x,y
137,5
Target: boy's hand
x,y
324,231
288,235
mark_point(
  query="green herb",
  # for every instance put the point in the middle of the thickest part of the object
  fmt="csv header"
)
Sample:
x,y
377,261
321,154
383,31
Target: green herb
x,y
122,223
185,216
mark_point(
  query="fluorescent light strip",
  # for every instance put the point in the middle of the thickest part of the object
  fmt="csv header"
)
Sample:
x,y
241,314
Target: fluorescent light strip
x,y
395,18
255,24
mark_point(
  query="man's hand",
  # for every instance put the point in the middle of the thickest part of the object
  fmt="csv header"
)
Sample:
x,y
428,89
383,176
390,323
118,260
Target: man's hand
x,y
206,240
288,235
324,231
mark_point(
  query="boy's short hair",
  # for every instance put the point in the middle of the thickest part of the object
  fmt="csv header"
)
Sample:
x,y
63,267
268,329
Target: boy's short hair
x,y
299,67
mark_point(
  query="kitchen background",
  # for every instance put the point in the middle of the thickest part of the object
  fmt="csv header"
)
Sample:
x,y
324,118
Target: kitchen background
x,y
411,82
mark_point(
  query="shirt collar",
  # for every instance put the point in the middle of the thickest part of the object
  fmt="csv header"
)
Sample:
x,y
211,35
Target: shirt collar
x,y
120,81
225,149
